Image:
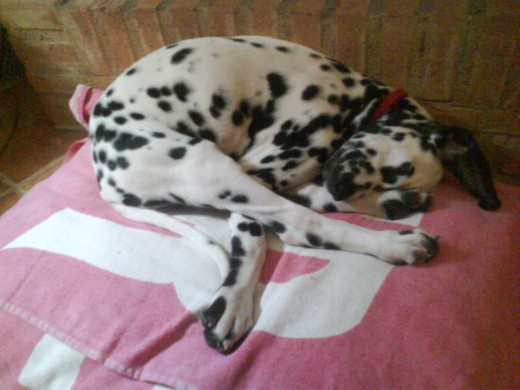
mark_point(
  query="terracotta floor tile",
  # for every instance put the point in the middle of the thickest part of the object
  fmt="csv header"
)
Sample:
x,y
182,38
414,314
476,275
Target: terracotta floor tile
x,y
4,187
35,143
40,175
8,201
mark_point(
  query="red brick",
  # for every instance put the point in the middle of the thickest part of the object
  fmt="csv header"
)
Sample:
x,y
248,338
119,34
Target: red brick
x,y
179,20
65,83
220,18
110,25
434,59
500,121
76,18
56,107
401,8
32,14
487,57
48,57
396,47
443,8
448,114
347,25
263,17
303,21
143,24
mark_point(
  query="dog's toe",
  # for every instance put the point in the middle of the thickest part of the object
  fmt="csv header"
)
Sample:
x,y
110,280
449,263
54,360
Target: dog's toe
x,y
227,320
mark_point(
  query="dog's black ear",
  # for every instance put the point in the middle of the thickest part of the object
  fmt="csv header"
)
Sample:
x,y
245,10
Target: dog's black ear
x,y
461,155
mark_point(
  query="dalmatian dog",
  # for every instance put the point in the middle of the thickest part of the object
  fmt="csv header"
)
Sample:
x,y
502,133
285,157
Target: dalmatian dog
x,y
274,133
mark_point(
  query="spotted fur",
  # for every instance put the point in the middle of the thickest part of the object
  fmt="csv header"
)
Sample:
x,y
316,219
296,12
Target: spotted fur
x,y
267,130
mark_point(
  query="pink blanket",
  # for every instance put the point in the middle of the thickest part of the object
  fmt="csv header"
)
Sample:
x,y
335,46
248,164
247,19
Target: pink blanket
x,y
120,299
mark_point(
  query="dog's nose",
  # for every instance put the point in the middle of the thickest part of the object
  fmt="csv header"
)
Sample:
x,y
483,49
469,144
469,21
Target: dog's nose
x,y
342,187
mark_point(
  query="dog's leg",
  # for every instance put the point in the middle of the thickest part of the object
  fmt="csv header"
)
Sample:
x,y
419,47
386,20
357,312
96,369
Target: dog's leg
x,y
230,315
235,191
168,222
392,204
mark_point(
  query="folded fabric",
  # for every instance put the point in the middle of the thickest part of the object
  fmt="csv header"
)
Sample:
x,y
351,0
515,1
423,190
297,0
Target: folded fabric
x,y
123,297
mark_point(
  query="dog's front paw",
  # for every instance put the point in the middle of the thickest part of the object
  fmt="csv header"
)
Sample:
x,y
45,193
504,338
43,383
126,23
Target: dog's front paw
x,y
227,320
408,247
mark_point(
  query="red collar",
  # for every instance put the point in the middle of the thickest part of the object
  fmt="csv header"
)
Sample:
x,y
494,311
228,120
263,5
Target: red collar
x,y
387,103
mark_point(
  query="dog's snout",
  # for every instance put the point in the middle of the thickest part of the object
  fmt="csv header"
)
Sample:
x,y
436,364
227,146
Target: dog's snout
x,y
342,187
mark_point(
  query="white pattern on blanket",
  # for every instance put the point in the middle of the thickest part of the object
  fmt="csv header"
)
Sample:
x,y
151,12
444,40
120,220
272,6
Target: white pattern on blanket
x,y
348,283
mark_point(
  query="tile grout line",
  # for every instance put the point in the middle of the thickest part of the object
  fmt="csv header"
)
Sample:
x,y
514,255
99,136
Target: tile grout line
x,y
17,188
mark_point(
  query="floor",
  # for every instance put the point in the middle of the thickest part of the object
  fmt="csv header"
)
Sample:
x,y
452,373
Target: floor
x,y
31,149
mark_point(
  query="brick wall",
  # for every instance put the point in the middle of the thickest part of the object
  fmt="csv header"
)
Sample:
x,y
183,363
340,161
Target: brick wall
x,y
460,58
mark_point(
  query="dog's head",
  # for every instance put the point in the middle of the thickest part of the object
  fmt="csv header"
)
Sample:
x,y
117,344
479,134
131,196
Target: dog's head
x,y
408,154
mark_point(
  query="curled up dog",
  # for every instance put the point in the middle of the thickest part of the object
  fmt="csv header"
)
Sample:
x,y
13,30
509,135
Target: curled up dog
x,y
274,133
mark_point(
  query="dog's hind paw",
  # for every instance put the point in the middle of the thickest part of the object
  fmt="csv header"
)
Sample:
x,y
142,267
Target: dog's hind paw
x,y
227,320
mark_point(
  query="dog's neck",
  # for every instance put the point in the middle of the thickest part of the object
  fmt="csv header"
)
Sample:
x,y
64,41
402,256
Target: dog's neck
x,y
384,107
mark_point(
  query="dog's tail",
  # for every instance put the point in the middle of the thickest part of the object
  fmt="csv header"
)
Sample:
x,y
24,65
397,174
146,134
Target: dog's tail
x,y
174,225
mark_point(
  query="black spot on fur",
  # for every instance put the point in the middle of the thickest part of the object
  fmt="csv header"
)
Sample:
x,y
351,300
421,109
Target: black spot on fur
x,y
194,141
340,67
277,227
158,134
277,85
153,92
127,141
287,125
120,120
399,137
326,68
115,105
103,134
349,82
137,116
165,91
290,153
330,208
321,154
164,105
314,239
181,55
218,103
240,199
283,49
224,195
112,165
177,153
131,200
102,155
330,246
122,162
310,92
252,227
196,117
244,107
131,72
212,314
236,247
267,159
181,90
183,128
208,134
237,117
